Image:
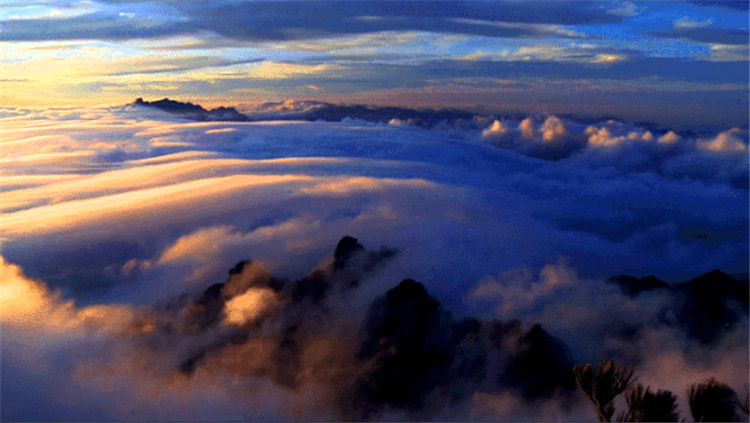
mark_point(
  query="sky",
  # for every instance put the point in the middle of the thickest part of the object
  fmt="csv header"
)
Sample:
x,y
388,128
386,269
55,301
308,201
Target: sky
x,y
669,62
323,257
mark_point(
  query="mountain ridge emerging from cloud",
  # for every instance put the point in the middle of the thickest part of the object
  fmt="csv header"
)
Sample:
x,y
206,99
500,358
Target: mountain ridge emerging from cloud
x,y
315,110
194,111
412,346
426,118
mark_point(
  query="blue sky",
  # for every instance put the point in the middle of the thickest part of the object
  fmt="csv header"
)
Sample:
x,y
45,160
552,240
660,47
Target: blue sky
x,y
669,62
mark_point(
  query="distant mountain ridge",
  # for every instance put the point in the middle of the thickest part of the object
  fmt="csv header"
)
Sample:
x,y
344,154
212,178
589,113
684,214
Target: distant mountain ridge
x,y
706,305
315,110
194,111
311,110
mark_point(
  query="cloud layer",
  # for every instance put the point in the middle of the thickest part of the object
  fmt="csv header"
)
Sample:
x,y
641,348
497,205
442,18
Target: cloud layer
x,y
120,225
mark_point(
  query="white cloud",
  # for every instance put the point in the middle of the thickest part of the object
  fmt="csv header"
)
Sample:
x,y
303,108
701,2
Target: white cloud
x,y
154,208
517,290
689,23
729,52
725,141
497,129
527,128
625,8
249,306
28,306
669,138
608,58
553,129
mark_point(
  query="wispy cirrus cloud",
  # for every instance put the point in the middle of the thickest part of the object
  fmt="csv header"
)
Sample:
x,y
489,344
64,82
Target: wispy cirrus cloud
x,y
261,21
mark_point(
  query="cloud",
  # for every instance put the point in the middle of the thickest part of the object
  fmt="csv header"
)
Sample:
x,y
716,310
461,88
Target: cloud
x,y
136,178
97,25
687,23
602,137
147,203
527,128
249,306
725,141
608,58
668,138
125,263
263,21
214,178
29,307
705,34
553,129
627,147
517,290
642,330
626,8
551,140
735,5
496,130
289,339
728,53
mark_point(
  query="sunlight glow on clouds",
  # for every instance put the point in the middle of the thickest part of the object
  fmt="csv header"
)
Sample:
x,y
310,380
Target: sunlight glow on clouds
x,y
157,209
28,305
163,261
246,52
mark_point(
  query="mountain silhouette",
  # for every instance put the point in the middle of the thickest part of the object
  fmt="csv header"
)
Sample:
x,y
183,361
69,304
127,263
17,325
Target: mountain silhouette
x,y
194,111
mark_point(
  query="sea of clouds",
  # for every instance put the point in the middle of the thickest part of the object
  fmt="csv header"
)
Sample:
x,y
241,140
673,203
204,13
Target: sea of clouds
x,y
115,221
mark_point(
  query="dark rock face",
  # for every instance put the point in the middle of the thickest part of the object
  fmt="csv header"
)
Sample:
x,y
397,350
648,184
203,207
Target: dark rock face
x,y
172,106
416,352
541,365
304,299
408,336
632,286
410,355
705,307
712,303
314,287
287,359
345,249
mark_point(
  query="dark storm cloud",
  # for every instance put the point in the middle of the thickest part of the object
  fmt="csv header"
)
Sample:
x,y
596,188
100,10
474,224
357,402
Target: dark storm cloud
x,y
275,21
710,35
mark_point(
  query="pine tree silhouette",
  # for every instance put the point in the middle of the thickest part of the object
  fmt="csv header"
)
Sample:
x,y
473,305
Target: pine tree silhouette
x,y
602,384
744,405
647,406
711,401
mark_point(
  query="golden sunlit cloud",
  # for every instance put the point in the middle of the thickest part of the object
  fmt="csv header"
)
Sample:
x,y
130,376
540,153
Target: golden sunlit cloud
x,y
28,304
249,306
121,180
608,58
403,210
180,200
